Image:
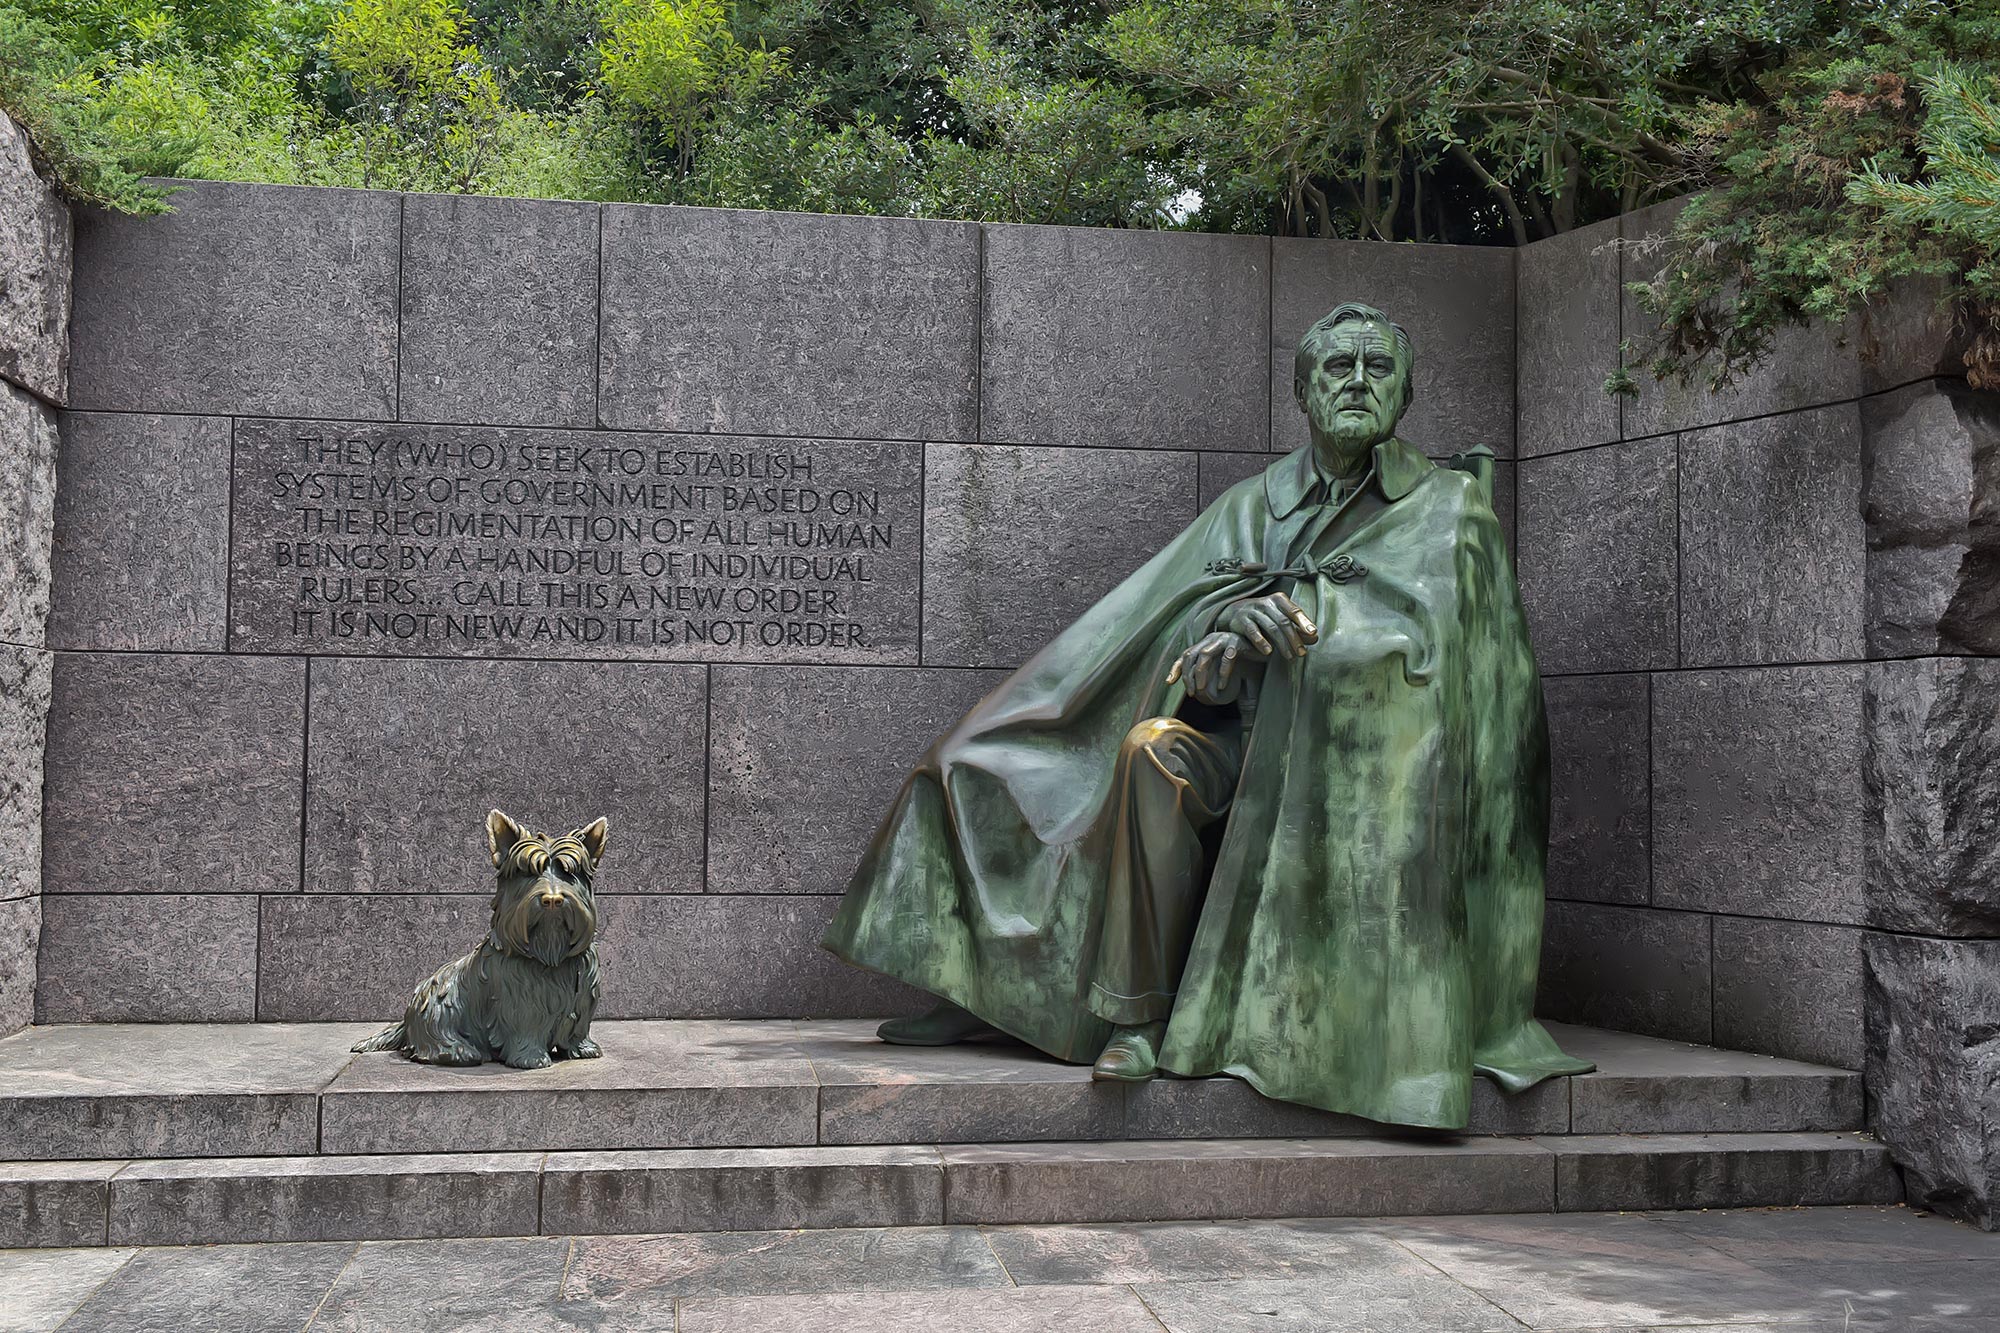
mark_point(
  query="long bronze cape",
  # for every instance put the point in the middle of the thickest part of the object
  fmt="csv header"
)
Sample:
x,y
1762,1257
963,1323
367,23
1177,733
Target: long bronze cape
x,y
1373,922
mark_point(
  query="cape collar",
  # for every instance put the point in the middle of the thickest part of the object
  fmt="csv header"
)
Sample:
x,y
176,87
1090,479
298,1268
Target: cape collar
x,y
1398,468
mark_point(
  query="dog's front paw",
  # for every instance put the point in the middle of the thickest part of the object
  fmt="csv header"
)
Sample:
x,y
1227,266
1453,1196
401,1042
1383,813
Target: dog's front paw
x,y
527,1060
583,1050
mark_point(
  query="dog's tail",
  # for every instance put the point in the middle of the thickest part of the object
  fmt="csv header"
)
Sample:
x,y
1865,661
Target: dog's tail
x,y
391,1038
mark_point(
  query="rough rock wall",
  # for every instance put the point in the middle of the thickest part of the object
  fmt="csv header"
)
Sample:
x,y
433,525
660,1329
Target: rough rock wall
x,y
1768,620
34,364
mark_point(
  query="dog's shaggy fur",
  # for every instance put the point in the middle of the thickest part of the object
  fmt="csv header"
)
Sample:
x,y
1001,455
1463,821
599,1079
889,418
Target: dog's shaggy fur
x,y
525,995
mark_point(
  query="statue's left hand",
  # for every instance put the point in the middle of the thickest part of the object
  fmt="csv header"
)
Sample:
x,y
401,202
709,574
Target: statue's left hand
x,y
1209,668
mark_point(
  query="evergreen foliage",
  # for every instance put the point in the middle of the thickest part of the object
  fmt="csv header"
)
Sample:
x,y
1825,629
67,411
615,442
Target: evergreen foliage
x,y
1832,146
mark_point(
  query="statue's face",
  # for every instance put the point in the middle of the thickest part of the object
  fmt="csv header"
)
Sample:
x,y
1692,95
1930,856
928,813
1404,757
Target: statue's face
x,y
1357,385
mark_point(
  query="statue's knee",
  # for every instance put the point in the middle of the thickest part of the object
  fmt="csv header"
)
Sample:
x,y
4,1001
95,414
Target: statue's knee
x,y
1154,735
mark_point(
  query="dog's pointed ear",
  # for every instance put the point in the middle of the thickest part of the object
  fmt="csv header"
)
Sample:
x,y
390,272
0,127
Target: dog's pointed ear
x,y
592,837
502,833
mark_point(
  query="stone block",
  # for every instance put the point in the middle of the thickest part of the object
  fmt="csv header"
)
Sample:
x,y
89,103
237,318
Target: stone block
x,y
1630,968
1617,1173
27,515
1772,548
1221,1251
1902,336
141,555
217,1287
50,1204
1098,1309
35,248
1600,825
499,311
1138,339
1566,326
694,1085
805,761
20,935
1019,542
1932,791
245,300
168,1089
510,1282
734,957
147,958
1934,1069
789,324
224,1200
1599,567
1004,1184
173,774
436,541
1404,1295
1789,988
358,957
741,1189
1456,303
45,1286
1930,490
1219,471
24,713
1757,792
1647,1086
622,1272
554,744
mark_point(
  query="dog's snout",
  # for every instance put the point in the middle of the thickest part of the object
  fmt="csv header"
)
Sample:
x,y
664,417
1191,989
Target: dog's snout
x,y
551,899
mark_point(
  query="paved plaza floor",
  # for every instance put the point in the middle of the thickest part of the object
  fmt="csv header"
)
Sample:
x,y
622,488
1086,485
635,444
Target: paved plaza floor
x,y
1768,1270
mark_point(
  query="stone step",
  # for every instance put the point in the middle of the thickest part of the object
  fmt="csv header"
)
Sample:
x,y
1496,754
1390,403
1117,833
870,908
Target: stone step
x,y
196,1201
191,1090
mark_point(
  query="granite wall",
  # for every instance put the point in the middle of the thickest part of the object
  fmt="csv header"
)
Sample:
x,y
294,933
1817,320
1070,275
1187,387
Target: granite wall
x,y
1768,620
377,510
34,356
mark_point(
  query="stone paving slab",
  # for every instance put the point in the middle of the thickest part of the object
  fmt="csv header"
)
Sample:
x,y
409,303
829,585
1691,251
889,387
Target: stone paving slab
x,y
168,1089
1847,1269
1044,1310
657,1085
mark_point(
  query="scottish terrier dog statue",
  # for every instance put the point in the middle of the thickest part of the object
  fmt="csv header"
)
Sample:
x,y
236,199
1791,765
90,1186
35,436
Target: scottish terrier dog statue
x,y
526,993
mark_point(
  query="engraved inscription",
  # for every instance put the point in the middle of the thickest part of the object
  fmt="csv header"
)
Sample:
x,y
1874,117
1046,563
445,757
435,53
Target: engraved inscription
x,y
369,539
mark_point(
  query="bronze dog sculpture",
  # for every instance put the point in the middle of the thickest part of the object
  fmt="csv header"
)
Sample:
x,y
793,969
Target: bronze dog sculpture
x,y
526,993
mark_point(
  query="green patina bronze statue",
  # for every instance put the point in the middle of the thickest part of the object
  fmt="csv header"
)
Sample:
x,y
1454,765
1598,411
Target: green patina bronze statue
x,y
527,993
1277,806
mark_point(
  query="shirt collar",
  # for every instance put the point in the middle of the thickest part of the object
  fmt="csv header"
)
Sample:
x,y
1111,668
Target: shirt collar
x,y
1398,467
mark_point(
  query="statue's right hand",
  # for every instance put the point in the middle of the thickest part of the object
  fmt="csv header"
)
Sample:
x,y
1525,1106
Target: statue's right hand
x,y
1272,622
1209,668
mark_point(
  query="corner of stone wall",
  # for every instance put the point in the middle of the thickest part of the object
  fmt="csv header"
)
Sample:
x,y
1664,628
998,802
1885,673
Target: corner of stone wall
x,y
36,245
1770,621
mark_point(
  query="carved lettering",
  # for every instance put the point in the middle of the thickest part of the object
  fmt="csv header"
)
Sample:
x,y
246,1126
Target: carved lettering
x,y
451,540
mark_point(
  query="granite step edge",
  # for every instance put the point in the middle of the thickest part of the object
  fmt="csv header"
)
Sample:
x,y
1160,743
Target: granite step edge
x,y
222,1200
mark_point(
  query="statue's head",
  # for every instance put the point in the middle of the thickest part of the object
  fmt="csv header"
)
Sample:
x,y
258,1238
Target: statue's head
x,y
1352,375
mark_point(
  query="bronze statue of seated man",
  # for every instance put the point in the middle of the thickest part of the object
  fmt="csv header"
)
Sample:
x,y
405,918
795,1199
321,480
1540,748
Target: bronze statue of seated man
x,y
1277,806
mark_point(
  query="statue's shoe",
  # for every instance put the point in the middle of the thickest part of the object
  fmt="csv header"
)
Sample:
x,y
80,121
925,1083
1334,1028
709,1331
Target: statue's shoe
x,y
943,1025
1132,1054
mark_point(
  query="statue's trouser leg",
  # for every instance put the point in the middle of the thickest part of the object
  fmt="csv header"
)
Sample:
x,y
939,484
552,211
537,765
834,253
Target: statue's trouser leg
x,y
1171,782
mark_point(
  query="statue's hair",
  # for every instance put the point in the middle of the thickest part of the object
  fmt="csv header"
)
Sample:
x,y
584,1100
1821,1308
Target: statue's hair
x,y
1354,312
